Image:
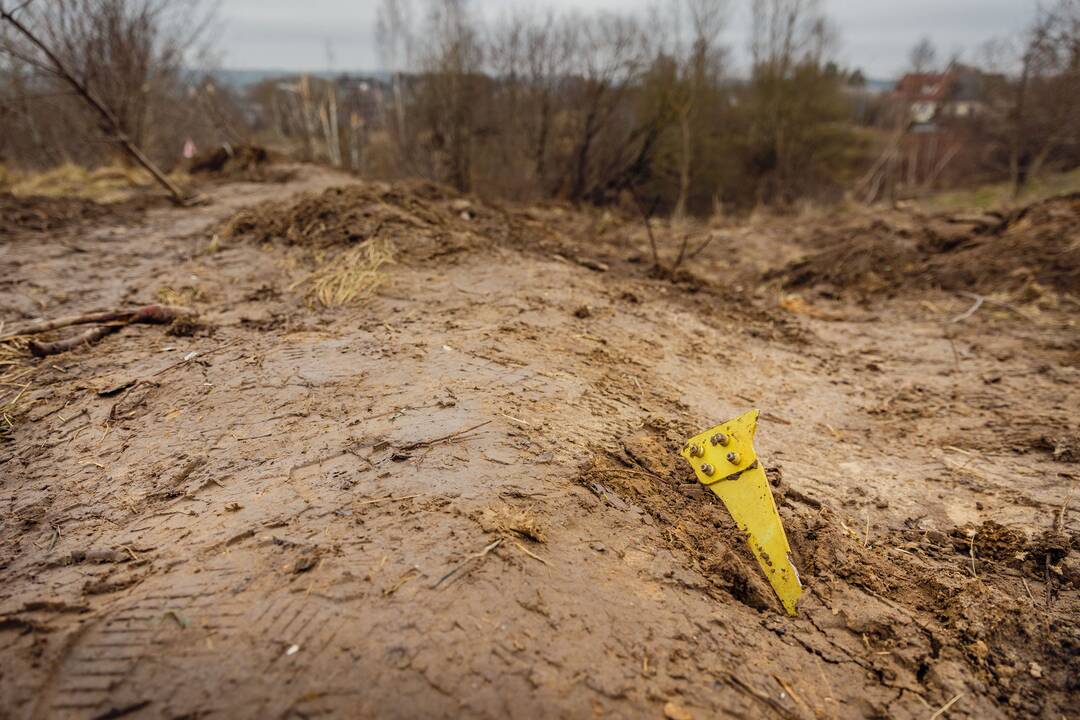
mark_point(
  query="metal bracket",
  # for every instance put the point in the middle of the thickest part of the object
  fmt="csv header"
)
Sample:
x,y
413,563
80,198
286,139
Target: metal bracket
x,y
724,461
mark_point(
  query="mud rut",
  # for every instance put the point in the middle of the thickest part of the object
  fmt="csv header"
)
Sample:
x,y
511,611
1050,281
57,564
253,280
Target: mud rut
x,y
300,519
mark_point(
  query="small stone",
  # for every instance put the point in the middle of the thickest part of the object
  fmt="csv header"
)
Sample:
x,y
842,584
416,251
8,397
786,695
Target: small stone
x,y
1035,669
675,711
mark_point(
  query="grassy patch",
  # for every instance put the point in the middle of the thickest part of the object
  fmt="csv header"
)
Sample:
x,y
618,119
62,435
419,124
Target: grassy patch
x,y
998,196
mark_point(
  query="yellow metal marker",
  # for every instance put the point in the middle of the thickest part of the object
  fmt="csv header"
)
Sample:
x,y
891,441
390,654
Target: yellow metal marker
x,y
724,460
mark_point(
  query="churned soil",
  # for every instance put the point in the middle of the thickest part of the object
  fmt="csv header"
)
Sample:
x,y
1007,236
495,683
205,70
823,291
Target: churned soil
x,y
460,494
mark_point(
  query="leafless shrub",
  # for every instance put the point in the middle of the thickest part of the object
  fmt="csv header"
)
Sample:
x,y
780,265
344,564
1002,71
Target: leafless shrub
x,y
129,55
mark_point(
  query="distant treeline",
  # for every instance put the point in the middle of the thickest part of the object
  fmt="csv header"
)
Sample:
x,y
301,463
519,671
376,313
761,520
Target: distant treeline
x,y
590,108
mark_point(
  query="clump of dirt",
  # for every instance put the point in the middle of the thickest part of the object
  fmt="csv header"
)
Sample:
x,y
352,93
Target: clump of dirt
x,y
240,162
648,472
42,214
1036,556
995,541
1062,447
985,623
1038,244
522,522
419,213
873,591
867,263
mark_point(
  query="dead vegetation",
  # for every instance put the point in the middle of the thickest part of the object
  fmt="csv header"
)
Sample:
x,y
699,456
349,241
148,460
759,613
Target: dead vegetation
x,y
345,236
1035,247
334,457
348,276
15,381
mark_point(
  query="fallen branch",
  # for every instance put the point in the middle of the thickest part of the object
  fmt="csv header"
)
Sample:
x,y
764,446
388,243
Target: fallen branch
x,y
150,314
91,336
110,123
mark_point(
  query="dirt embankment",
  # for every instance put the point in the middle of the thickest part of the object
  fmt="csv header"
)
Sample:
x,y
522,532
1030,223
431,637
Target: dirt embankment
x,y
1037,246
457,486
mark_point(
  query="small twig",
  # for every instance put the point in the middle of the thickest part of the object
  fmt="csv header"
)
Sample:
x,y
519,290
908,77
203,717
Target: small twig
x,y
1001,304
409,575
530,553
701,248
475,556
941,710
979,300
526,423
971,551
376,501
195,355
426,443
1030,596
1059,521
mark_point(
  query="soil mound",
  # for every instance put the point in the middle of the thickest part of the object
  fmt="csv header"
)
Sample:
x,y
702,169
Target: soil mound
x,y
418,214
1039,243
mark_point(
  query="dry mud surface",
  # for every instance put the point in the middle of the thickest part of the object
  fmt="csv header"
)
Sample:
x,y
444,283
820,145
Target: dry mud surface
x,y
460,497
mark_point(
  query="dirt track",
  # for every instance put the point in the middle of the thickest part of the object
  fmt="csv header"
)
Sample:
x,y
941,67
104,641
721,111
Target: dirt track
x,y
301,519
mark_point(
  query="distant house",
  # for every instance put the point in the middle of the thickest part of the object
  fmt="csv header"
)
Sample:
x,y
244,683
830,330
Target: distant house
x,y
930,98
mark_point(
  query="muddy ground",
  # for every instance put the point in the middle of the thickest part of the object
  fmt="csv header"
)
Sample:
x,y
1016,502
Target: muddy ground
x,y
461,497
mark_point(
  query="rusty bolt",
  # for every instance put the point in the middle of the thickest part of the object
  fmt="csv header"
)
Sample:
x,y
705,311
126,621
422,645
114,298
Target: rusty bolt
x,y
697,451
733,458
719,439
707,468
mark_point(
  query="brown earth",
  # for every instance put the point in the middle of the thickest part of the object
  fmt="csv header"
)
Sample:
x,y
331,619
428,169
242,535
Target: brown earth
x,y
41,214
461,496
1036,246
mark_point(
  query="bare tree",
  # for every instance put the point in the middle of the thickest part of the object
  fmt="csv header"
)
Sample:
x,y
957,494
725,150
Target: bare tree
x,y
113,54
795,104
923,56
698,74
609,54
1046,106
394,35
451,65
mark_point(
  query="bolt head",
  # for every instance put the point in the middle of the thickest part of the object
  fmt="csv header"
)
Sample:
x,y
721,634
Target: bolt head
x,y
697,451
719,439
707,468
733,458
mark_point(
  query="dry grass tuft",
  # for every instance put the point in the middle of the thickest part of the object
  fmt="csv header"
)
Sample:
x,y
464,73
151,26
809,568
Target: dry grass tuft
x,y
523,523
348,276
15,381
185,296
111,183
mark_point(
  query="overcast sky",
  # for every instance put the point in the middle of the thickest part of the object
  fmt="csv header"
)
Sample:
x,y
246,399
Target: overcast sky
x,y
875,35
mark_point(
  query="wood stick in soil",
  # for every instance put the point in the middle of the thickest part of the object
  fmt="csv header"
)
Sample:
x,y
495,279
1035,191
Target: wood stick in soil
x,y
44,349
110,122
151,314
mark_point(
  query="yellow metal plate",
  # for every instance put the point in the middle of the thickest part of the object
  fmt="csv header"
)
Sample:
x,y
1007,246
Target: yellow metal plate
x,y
725,461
